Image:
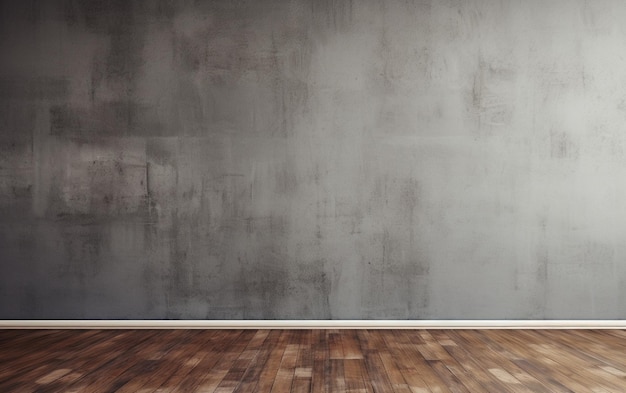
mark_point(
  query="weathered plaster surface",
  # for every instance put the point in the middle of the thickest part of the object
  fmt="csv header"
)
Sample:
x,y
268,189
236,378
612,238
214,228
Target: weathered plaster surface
x,y
313,159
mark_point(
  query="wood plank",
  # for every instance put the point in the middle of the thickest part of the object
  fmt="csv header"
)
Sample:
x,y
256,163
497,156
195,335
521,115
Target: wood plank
x,y
286,370
320,373
251,377
167,361
353,372
221,368
336,376
17,363
301,385
377,373
397,348
417,368
350,345
335,346
570,378
113,374
238,368
526,359
488,361
192,360
447,368
79,346
268,375
584,364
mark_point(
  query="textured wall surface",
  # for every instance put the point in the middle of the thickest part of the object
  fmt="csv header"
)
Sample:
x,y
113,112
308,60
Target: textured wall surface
x,y
313,159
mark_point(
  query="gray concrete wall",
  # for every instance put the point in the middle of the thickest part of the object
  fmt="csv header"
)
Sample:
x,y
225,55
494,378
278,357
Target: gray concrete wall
x,y
313,159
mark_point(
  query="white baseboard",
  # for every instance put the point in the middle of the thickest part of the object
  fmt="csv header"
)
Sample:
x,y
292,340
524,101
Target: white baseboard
x,y
312,324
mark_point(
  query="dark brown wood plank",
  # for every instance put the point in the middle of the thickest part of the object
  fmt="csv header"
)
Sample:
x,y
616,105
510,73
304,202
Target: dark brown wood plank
x,y
238,368
166,361
377,373
286,370
268,375
84,347
353,372
214,367
397,343
17,362
107,376
198,359
320,381
251,377
335,346
81,360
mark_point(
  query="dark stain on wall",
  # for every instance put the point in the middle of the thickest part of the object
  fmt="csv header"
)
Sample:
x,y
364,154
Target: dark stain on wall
x,y
34,88
115,118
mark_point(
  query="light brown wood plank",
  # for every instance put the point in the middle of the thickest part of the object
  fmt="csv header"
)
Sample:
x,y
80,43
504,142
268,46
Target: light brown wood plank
x,y
488,361
584,364
417,368
520,354
466,359
336,376
335,346
398,382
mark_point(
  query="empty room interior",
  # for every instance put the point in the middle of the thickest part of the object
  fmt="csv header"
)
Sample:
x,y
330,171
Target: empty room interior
x,y
409,196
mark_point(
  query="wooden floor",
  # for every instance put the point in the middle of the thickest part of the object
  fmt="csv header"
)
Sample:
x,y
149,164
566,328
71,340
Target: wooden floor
x,y
312,361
